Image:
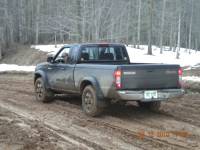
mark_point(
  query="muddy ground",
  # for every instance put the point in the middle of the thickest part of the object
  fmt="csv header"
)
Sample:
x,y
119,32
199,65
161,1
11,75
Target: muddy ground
x,y
28,124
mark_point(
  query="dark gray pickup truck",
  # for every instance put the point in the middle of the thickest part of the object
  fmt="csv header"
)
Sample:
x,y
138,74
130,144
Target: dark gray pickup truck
x,y
101,73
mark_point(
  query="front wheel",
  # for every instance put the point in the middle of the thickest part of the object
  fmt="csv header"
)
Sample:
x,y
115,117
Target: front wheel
x,y
42,94
154,106
90,102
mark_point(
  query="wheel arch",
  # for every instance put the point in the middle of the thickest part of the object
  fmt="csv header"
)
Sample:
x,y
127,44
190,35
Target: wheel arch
x,y
84,84
36,76
93,82
41,74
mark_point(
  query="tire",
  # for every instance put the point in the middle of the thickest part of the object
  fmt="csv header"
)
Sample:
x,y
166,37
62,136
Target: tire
x,y
90,102
42,94
154,106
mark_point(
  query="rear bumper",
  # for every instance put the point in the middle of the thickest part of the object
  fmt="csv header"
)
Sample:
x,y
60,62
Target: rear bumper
x,y
139,95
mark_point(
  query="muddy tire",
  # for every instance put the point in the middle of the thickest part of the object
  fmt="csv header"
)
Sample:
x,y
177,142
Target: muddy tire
x,y
154,106
90,102
42,94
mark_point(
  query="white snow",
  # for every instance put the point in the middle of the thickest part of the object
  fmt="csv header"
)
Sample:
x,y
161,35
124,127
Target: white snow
x,y
51,49
6,67
191,78
193,67
168,57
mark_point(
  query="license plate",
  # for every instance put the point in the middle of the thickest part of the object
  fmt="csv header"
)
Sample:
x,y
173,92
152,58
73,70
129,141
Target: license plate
x,y
150,94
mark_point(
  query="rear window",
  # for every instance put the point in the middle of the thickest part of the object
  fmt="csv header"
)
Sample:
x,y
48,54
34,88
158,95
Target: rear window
x,y
103,53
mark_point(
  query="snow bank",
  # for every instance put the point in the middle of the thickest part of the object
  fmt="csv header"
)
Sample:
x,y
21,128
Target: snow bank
x,y
191,78
6,67
47,48
168,57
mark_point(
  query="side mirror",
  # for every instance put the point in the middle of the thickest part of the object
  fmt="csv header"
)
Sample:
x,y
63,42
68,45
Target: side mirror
x,y
50,59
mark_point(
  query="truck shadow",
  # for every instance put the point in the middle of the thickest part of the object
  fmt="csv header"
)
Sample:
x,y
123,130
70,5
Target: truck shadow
x,y
130,110
72,99
114,110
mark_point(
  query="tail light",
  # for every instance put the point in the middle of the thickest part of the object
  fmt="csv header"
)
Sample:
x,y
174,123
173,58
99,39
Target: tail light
x,y
117,75
180,74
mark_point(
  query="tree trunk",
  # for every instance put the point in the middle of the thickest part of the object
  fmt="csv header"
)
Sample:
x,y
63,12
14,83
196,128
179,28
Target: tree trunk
x,y
120,31
139,23
190,30
1,41
61,35
84,21
111,31
55,39
21,38
128,20
171,37
79,29
0,51
150,27
162,26
37,22
196,45
179,37
175,40
9,25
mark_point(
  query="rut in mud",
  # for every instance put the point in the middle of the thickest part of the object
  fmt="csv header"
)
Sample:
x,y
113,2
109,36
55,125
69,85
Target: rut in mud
x,y
63,125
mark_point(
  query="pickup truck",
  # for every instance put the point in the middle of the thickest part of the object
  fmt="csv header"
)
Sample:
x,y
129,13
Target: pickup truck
x,y
102,73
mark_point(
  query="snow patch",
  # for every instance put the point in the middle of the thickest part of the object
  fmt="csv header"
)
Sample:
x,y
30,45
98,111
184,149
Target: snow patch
x,y
192,67
168,57
7,67
191,78
48,48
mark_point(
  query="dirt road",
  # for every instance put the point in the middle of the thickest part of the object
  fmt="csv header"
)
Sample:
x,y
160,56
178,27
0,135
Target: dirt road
x,y
28,124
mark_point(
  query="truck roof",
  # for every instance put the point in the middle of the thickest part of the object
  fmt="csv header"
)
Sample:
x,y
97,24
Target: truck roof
x,y
95,44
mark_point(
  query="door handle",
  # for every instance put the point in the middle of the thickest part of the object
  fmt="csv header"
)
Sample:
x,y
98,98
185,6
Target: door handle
x,y
62,68
49,68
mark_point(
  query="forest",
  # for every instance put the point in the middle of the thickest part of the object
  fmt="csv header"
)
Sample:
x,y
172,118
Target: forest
x,y
171,23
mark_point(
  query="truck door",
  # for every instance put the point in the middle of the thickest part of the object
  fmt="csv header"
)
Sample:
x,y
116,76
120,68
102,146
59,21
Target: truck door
x,y
67,82
62,75
64,80
57,70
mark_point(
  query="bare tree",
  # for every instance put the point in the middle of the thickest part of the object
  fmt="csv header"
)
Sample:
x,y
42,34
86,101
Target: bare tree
x,y
150,27
37,21
162,26
190,29
1,42
84,21
179,36
0,52
1,39
139,23
8,25
128,21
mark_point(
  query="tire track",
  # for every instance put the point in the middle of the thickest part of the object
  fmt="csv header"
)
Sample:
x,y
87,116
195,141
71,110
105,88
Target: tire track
x,y
128,134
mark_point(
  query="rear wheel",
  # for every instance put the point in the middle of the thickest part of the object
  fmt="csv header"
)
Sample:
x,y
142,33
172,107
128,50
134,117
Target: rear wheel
x,y
90,102
42,94
154,106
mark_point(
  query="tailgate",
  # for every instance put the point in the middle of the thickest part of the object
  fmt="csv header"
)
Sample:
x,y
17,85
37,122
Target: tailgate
x,y
149,76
